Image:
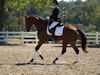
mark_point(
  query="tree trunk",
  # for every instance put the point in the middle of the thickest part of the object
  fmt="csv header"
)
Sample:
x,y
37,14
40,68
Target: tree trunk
x,y
2,2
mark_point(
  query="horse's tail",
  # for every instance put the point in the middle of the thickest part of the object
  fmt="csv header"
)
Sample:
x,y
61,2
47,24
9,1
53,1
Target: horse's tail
x,y
84,41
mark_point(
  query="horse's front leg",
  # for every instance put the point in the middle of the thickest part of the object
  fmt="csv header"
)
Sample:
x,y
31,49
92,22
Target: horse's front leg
x,y
37,51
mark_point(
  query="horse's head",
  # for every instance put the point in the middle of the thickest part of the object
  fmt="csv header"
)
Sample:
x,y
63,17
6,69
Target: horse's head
x,y
37,21
28,23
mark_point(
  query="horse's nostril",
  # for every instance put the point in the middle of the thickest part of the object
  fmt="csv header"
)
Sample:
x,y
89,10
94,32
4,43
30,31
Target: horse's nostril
x,y
27,30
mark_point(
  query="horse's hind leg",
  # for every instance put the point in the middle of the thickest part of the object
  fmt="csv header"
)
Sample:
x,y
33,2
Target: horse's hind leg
x,y
77,52
63,51
37,51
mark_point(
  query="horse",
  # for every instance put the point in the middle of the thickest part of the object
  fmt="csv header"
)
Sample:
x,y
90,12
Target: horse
x,y
70,36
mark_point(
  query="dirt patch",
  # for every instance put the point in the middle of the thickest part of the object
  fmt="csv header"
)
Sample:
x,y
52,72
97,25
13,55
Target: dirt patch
x,y
12,55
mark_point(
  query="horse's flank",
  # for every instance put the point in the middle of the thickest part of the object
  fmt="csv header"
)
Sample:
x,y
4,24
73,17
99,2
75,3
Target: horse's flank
x,y
69,26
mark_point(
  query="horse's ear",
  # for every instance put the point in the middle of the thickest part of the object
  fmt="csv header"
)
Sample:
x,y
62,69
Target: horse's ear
x,y
25,16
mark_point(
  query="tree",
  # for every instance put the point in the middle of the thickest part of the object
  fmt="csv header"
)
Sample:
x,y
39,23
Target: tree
x,y
15,9
2,3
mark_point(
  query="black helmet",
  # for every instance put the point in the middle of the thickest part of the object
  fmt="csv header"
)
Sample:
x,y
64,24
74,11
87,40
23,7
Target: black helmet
x,y
55,2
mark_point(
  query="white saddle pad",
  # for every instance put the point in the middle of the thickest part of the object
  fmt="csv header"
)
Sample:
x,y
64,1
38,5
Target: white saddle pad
x,y
59,31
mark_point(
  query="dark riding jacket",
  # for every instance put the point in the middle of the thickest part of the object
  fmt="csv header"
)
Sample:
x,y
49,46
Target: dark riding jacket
x,y
55,13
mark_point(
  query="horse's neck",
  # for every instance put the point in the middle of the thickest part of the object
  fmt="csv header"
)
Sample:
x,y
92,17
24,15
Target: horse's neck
x,y
40,25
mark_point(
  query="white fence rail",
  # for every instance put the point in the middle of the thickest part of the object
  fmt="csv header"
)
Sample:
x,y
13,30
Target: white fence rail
x,y
93,38
18,37
31,37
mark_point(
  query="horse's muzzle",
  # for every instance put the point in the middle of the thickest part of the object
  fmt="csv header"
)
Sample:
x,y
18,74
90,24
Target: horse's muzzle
x,y
27,30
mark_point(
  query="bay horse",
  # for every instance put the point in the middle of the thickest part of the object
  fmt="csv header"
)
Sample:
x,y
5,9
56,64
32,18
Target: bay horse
x,y
70,36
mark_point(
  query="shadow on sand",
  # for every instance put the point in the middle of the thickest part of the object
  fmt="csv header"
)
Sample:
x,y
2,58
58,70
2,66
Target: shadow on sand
x,y
23,64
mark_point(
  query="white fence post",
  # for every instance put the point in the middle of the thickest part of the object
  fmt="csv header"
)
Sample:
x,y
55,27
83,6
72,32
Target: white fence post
x,y
97,38
22,37
7,37
36,38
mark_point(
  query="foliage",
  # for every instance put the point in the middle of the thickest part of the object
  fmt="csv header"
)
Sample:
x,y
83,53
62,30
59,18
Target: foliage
x,y
90,28
86,13
16,9
2,3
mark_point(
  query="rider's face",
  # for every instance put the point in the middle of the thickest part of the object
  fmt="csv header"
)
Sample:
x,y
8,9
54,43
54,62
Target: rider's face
x,y
53,6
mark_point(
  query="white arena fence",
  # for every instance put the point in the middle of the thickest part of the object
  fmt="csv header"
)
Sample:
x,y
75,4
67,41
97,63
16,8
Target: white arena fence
x,y
18,37
31,37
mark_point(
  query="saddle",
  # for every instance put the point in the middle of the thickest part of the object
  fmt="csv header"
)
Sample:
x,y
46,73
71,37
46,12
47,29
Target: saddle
x,y
55,28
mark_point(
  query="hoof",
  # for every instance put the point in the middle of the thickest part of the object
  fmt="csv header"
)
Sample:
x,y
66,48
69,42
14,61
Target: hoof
x,y
30,61
54,62
41,57
75,62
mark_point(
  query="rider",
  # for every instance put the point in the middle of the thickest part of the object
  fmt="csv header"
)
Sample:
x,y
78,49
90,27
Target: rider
x,y
55,12
54,20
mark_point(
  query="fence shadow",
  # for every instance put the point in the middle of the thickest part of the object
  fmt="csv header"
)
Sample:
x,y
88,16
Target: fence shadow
x,y
10,45
95,46
41,64
90,46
